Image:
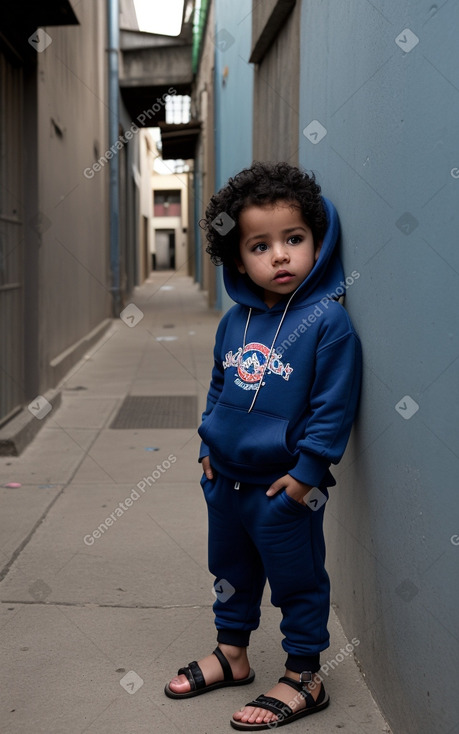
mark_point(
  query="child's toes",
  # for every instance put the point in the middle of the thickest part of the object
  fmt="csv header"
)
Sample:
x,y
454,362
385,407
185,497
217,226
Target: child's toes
x,y
260,716
179,684
250,715
264,717
256,717
238,715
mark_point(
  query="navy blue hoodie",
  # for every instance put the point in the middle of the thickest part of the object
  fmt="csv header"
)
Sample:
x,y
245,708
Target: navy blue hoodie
x,y
304,349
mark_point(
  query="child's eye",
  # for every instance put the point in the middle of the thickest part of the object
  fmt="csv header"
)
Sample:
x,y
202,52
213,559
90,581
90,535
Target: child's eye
x,y
261,247
295,239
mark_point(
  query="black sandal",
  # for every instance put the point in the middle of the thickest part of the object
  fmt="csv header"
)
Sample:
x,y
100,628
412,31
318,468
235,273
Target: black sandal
x,y
196,679
284,713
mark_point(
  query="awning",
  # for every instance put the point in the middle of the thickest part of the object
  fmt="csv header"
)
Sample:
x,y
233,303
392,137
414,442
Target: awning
x,y
145,104
48,12
179,141
19,20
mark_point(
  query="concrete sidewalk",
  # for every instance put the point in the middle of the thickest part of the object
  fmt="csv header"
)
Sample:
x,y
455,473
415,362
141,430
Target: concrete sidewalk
x,y
94,622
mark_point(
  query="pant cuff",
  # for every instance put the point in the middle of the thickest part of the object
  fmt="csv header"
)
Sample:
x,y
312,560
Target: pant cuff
x,y
299,663
238,638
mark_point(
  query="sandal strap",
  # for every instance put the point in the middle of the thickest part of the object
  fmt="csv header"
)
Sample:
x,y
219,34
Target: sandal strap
x,y
301,688
271,704
227,672
194,675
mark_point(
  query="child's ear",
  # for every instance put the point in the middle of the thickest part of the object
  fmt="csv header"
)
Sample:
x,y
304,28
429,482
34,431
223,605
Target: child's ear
x,y
317,250
239,265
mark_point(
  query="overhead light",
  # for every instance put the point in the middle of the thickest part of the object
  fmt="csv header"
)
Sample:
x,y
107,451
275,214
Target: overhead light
x,y
155,16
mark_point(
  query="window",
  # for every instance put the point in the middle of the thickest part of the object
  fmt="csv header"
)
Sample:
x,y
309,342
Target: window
x,y
167,203
178,109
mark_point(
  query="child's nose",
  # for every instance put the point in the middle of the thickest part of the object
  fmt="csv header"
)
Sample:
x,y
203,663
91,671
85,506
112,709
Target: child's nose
x,y
280,253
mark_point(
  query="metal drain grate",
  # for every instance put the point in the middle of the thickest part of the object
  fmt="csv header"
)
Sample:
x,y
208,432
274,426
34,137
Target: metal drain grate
x,y
157,411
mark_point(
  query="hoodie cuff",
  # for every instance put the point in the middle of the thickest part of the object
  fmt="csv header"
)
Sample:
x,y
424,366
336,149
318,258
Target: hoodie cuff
x,y
203,451
310,469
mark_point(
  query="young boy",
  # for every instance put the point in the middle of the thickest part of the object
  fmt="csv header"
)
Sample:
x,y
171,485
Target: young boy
x,y
281,403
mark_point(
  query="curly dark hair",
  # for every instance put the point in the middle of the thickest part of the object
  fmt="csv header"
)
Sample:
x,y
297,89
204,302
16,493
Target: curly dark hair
x,y
262,183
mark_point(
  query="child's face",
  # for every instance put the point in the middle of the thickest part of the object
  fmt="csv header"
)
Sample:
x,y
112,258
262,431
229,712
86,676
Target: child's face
x,y
276,248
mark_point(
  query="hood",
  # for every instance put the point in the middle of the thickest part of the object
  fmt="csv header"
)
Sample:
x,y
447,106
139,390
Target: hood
x,y
324,278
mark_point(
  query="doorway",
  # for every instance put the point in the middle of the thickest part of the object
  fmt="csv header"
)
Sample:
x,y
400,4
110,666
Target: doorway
x,y
164,257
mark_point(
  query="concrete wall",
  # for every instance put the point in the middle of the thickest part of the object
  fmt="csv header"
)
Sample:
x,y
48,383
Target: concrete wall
x,y
74,295
276,82
204,165
130,184
380,109
233,100
147,156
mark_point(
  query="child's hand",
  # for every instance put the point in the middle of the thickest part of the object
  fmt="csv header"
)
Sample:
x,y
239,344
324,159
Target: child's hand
x,y
206,467
295,489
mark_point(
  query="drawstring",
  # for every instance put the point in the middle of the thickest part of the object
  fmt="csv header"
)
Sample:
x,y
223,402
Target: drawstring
x,y
270,351
246,327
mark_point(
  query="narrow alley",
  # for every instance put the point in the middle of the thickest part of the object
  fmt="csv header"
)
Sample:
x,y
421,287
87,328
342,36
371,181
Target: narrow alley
x,y
98,615
141,144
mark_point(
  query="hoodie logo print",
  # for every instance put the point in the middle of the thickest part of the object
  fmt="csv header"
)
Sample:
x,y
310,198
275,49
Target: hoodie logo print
x,y
250,363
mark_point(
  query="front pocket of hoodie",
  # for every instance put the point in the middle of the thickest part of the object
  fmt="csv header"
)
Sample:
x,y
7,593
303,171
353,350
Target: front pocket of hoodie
x,y
246,439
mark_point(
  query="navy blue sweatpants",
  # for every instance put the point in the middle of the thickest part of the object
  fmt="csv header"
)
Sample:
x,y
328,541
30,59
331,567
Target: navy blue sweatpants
x,y
253,537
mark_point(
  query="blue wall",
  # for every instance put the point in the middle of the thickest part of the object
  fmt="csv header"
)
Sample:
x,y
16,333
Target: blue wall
x,y
390,162
233,99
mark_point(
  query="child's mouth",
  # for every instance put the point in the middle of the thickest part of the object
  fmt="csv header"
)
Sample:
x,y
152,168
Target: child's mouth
x,y
283,276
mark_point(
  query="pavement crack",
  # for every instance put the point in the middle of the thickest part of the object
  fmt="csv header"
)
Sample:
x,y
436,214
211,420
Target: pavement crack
x,y
94,605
